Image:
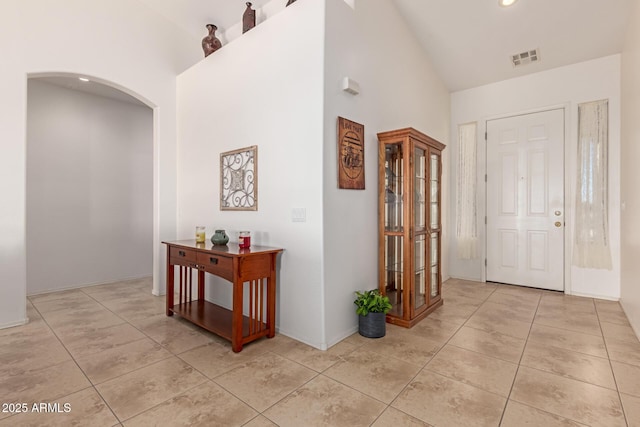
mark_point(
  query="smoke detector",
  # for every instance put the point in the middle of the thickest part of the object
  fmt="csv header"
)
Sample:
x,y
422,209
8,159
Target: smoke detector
x,y
525,58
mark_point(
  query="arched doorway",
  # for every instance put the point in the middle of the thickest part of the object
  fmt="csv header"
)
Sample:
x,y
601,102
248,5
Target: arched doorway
x,y
90,183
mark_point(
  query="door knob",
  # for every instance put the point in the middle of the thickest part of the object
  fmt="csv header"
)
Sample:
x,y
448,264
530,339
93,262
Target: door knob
x,y
558,224
558,213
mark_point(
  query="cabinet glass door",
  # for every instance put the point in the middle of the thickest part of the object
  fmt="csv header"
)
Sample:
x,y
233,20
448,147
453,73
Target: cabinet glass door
x,y
420,190
420,203
394,273
434,249
420,283
434,221
434,178
393,208
394,227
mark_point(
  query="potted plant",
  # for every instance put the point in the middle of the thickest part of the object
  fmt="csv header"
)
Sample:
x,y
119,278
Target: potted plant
x,y
372,310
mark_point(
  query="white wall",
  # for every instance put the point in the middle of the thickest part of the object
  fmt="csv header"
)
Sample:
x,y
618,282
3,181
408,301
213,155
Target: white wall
x,y
399,88
630,177
89,189
119,42
264,89
565,86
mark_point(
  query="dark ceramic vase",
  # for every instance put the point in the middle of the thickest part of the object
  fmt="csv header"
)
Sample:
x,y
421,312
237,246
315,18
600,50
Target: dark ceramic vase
x,y
248,19
373,325
210,43
219,238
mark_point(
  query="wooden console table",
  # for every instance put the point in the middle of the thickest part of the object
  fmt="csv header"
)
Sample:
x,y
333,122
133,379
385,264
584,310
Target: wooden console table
x,y
254,266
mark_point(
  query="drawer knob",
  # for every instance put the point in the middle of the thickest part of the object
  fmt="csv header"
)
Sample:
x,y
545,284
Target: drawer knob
x,y
213,260
182,253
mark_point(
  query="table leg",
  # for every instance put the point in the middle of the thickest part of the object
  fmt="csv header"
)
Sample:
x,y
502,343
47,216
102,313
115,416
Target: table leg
x,y
170,284
237,318
271,299
201,285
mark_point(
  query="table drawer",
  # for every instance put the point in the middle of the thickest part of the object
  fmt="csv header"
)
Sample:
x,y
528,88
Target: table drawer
x,y
182,256
215,264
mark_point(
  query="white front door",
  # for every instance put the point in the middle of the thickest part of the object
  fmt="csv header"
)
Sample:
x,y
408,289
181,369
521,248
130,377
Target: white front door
x,y
525,200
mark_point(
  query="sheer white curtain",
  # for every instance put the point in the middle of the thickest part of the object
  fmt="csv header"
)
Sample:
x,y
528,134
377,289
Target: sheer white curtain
x,y
592,246
466,211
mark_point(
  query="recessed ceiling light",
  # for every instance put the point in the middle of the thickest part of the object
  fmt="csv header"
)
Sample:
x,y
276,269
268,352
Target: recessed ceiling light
x,y
83,79
506,3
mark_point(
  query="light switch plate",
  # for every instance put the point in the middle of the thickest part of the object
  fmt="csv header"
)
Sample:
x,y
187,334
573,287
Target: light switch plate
x,y
299,215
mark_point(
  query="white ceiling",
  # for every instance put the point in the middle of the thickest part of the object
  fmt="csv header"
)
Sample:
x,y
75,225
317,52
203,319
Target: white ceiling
x,y
467,49
468,41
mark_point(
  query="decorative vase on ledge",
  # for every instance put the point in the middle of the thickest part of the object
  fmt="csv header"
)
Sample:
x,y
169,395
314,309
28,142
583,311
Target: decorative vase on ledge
x,y
219,238
210,43
248,19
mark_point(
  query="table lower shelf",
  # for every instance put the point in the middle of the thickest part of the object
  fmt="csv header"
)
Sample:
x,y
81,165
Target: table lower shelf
x,y
218,320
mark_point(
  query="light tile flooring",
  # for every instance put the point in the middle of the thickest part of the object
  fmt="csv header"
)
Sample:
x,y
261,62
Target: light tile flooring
x,y
492,355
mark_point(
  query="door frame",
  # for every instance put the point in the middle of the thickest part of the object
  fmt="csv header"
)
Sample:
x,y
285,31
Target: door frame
x,y
568,184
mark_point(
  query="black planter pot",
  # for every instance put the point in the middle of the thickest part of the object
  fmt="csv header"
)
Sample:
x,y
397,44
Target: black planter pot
x,y
373,325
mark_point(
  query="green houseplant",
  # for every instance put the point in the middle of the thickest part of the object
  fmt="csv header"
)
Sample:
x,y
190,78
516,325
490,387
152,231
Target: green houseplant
x,y
372,308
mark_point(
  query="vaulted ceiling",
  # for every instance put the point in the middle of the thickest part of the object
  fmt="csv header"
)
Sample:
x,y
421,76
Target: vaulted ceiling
x,y
470,42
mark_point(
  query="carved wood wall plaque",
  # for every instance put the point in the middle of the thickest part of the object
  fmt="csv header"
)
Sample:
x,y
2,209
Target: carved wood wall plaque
x,y
350,154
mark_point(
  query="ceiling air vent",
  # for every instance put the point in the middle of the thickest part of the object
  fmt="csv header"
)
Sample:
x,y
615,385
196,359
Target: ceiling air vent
x,y
525,58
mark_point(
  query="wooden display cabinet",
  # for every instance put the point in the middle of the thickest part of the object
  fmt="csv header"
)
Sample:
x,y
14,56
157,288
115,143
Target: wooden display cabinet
x,y
410,226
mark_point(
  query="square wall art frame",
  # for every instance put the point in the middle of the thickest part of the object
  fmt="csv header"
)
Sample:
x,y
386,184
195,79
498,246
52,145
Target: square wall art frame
x,y
239,179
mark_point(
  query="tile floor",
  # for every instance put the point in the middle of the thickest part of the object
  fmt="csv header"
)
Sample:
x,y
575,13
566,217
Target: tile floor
x,y
492,355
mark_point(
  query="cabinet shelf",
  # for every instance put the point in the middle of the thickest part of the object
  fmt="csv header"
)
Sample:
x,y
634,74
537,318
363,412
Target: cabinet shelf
x,y
394,231
409,254
214,318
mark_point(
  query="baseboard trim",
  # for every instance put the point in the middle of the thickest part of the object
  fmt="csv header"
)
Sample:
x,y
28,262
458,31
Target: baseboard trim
x,y
14,324
635,330
88,285
342,336
470,279
587,295
322,346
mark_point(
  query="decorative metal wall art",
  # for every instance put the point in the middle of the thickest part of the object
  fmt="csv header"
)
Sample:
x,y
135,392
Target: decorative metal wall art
x,y
248,19
350,155
239,180
210,43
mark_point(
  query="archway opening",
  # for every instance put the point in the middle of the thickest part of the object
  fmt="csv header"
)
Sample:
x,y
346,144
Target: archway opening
x,y
89,183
